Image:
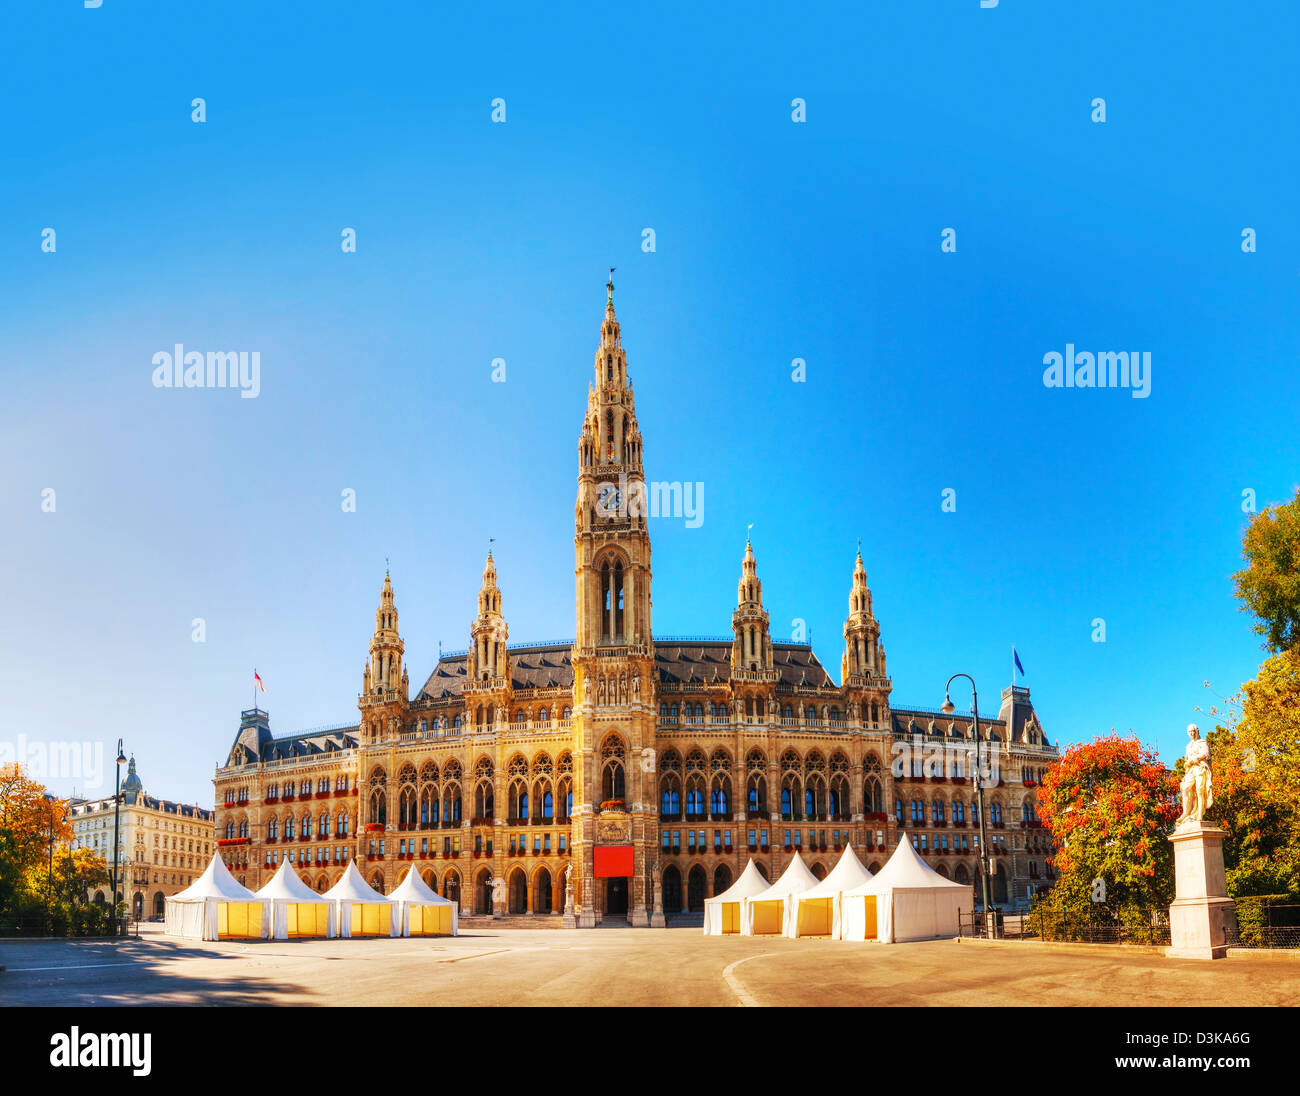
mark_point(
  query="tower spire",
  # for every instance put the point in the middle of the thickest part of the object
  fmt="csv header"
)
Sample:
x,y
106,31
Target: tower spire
x,y
751,648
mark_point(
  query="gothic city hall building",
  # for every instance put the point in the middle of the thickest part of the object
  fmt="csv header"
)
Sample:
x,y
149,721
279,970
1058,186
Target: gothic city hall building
x,y
627,775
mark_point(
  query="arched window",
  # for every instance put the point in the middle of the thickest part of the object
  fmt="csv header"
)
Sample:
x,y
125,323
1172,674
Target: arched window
x,y
995,813
613,780
898,810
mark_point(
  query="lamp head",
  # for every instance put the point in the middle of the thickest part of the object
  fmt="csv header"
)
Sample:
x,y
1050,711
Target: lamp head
x,y
121,757
947,707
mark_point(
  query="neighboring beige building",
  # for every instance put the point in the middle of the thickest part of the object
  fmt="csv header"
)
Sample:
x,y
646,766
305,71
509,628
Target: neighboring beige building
x,y
162,846
653,766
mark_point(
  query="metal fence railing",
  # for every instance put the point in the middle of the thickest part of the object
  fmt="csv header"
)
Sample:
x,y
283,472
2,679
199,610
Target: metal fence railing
x,y
1260,923
1263,923
1103,926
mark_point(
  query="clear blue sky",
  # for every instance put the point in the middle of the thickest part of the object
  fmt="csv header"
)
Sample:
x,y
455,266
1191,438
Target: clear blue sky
x,y
775,240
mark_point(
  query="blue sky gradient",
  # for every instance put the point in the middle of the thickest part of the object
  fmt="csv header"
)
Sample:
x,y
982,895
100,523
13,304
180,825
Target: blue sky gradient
x,y
775,241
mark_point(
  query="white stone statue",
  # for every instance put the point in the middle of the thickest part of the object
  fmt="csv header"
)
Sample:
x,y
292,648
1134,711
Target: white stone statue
x,y
1197,785
636,686
498,891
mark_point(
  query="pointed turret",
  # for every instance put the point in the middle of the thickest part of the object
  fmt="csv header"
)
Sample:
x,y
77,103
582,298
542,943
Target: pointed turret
x,y
751,649
863,655
385,685
488,660
385,672
862,666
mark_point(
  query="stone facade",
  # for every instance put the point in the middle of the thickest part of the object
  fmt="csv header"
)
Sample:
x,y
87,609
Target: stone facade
x,y
162,846
636,759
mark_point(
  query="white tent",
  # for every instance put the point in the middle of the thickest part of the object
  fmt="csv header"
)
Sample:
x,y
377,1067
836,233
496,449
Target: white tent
x,y
421,911
722,912
763,914
293,909
362,910
817,912
215,906
907,900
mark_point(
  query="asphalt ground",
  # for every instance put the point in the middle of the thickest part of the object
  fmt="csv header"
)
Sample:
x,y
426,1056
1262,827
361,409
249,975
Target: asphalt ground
x,y
619,966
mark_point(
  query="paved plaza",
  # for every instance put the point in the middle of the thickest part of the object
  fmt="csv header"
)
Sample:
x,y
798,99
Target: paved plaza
x,y
618,966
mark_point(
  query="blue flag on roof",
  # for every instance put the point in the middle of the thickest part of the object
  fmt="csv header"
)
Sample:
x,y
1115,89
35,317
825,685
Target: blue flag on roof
x,y
1016,657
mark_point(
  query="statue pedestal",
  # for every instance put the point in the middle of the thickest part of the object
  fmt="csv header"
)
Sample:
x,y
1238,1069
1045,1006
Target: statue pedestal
x,y
568,921
639,919
1202,913
657,918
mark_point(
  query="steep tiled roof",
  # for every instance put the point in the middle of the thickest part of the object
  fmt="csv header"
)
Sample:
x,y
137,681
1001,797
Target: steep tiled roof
x,y
530,668
309,744
694,661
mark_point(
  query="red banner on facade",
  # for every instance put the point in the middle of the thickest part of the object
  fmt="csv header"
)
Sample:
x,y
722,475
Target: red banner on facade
x,y
612,861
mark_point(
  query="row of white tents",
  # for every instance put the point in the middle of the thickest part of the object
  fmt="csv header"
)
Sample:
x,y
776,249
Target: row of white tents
x,y
218,907
907,900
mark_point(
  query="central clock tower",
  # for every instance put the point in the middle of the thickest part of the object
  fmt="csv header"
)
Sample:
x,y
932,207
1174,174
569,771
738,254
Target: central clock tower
x,y
615,816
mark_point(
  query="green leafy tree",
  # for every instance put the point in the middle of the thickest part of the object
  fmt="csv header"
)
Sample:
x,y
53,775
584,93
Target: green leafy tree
x,y
1269,585
1253,755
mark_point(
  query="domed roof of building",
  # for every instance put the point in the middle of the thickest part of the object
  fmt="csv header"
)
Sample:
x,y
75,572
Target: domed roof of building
x,y
133,786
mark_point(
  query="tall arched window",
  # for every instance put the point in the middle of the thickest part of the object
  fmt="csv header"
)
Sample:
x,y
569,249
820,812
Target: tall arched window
x,y
613,782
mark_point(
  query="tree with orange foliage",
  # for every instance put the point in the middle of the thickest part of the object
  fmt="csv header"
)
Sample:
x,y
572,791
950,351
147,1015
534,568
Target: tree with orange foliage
x,y
1109,804
28,815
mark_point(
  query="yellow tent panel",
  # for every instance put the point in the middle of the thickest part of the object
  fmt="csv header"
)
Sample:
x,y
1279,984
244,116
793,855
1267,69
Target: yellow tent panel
x,y
371,919
815,917
730,917
307,918
767,918
239,920
430,920
869,906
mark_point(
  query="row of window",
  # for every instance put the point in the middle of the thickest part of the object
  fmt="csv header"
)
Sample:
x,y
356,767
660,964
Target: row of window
x,y
305,787
939,809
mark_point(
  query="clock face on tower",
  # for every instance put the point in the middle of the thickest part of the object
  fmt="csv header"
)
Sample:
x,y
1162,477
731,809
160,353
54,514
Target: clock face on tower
x,y
609,502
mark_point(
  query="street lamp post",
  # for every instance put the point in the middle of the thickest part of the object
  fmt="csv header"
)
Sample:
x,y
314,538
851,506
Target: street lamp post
x,y
117,808
948,708
49,874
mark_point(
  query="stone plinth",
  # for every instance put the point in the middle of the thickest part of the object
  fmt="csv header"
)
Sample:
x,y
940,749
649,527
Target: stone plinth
x,y
1202,914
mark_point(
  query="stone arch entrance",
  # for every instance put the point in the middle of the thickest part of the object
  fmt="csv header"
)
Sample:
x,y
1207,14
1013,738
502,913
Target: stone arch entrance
x,y
616,895
542,891
451,887
159,903
672,889
137,906
1000,886
483,891
721,878
517,897
695,886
